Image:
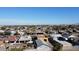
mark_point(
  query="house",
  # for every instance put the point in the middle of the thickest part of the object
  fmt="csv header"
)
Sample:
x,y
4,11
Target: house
x,y
20,32
59,38
42,37
2,31
12,39
40,47
24,39
74,40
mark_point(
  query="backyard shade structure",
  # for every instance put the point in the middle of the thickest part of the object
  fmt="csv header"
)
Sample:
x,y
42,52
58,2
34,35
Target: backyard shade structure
x,y
44,48
39,43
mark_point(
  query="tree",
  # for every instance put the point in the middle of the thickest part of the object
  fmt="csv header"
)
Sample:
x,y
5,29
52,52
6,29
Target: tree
x,y
3,28
7,33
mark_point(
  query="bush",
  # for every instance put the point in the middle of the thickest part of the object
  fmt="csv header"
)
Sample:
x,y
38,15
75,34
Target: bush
x,y
17,49
3,28
56,45
7,33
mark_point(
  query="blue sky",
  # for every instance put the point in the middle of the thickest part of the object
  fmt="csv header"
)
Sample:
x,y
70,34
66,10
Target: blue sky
x,y
35,15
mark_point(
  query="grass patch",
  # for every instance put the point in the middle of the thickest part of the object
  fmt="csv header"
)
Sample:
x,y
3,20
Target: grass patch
x,y
17,49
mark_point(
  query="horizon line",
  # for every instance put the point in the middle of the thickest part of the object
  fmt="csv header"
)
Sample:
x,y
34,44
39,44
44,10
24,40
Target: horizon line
x,y
36,24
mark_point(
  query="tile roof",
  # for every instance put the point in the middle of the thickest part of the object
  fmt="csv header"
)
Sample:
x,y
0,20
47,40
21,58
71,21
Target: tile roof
x,y
12,38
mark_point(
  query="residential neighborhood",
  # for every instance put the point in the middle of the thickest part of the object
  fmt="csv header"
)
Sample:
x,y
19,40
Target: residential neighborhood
x,y
39,37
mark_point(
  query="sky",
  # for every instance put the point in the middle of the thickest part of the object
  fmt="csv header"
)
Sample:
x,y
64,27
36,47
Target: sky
x,y
38,15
